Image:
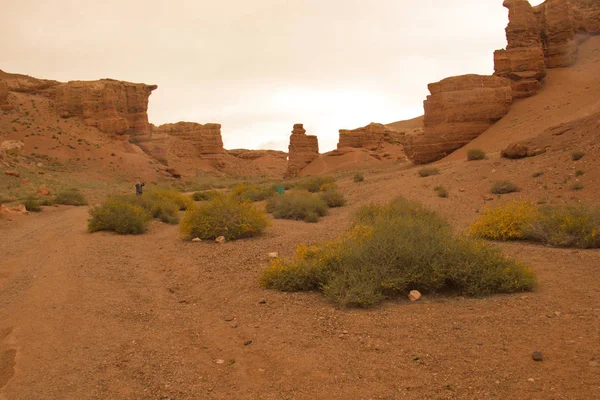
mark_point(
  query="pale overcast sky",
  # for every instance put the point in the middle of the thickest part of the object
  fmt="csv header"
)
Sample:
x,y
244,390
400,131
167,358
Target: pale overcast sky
x,y
259,66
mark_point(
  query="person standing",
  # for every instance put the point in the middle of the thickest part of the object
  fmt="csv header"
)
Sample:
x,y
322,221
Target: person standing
x,y
138,188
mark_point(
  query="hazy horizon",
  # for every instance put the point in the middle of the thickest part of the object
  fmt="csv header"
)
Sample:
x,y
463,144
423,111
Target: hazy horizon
x,y
259,67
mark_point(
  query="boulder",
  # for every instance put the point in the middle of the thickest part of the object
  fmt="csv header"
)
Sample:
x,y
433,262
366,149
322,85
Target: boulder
x,y
516,151
11,148
43,192
16,174
303,150
19,209
414,295
220,239
114,107
458,110
523,60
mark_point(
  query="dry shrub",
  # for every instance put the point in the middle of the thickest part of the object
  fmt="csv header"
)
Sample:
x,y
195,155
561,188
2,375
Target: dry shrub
x,y
206,195
315,184
182,201
441,191
577,155
392,249
118,214
425,172
359,177
503,187
223,216
297,206
71,197
475,154
333,198
252,193
31,204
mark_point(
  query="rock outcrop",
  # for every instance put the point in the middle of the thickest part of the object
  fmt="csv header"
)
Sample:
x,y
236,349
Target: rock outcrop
x,y
190,140
370,137
458,110
4,104
523,60
303,150
245,154
114,107
558,32
586,14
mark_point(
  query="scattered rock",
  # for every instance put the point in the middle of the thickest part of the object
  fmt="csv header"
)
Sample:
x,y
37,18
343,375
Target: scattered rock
x,y
487,197
196,239
537,356
516,151
43,192
229,318
247,342
273,255
11,147
531,380
219,361
20,209
414,295
263,301
462,190
220,239
25,181
234,325
16,174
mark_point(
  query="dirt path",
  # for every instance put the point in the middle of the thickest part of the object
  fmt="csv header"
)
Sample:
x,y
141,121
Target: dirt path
x,y
146,317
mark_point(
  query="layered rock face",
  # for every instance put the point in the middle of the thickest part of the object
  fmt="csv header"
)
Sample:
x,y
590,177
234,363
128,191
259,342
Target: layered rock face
x,y
558,31
587,16
458,110
189,140
523,60
114,107
4,104
303,150
369,137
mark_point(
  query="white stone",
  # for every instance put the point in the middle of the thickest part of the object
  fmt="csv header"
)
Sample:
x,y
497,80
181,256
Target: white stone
x,y
414,295
196,240
220,239
273,255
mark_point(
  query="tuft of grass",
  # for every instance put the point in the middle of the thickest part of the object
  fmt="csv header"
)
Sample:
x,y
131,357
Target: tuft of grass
x,y
392,249
119,215
503,187
31,204
475,154
223,216
359,177
333,198
71,197
441,191
297,206
576,186
577,155
579,173
425,172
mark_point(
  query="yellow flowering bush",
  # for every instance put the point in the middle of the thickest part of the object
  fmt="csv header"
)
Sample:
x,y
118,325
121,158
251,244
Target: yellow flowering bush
x,y
119,215
506,222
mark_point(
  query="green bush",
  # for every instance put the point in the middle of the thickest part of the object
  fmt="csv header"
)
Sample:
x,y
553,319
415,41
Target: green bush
x,y
425,172
503,187
162,208
72,197
224,216
577,155
315,184
297,206
182,201
119,215
566,226
206,195
392,249
441,191
358,177
333,198
475,154
32,205
252,193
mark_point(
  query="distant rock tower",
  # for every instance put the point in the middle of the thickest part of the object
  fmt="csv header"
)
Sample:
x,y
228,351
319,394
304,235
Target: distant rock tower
x,y
303,150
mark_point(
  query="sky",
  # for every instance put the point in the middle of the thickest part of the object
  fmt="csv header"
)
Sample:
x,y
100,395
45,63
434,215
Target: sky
x,y
259,66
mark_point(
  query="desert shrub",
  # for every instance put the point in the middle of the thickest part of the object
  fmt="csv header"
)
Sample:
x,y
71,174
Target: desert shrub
x,y
206,195
32,205
162,208
182,201
475,154
223,216
577,155
579,172
297,206
441,191
392,249
358,177
566,226
252,193
118,214
577,186
72,197
503,187
333,198
315,184
506,222
425,172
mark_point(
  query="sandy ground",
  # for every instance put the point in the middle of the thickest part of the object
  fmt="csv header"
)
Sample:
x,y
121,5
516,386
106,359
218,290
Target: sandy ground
x,y
102,316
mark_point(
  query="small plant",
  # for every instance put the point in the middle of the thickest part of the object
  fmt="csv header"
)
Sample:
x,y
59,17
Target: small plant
x,y
297,206
358,177
577,155
579,173
71,197
316,183
441,191
537,174
119,215
206,195
224,216
425,172
503,187
475,154
576,186
333,198
32,205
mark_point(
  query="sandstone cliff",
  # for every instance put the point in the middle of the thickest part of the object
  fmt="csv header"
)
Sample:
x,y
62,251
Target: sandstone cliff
x,y
370,137
303,150
457,111
114,107
191,140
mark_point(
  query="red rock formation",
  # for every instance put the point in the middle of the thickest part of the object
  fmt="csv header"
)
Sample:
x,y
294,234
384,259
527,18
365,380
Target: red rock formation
x,y
369,137
586,14
458,110
190,140
245,154
558,32
4,104
114,107
303,150
523,60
